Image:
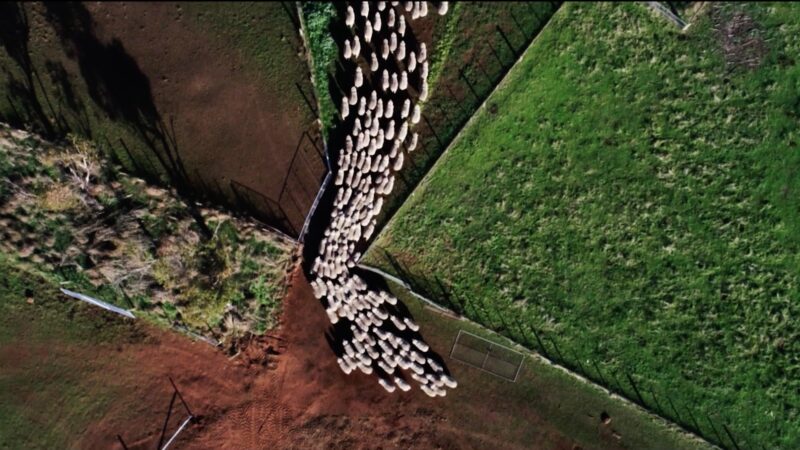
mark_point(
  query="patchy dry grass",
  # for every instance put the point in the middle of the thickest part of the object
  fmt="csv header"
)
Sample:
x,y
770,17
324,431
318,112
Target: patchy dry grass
x,y
69,212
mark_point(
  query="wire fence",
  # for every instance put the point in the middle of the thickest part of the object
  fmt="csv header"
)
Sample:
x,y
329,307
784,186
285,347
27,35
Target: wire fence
x,y
715,427
462,88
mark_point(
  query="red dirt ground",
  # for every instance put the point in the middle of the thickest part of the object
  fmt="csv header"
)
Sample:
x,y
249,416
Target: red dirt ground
x,y
300,399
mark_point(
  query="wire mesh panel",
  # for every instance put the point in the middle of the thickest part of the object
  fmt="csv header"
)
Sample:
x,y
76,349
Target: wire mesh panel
x,y
486,355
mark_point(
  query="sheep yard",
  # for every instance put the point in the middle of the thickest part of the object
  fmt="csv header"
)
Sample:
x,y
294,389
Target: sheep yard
x,y
629,194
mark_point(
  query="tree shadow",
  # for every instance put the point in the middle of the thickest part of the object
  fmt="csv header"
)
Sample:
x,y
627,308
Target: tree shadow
x,y
117,85
15,36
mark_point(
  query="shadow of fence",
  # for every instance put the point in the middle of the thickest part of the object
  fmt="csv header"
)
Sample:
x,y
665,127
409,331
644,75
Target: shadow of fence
x,y
714,427
468,86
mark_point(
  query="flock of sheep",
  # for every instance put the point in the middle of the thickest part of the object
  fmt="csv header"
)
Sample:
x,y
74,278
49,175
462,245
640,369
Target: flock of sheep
x,y
389,79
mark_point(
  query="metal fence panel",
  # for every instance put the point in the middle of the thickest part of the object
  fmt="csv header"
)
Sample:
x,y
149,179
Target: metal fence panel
x,y
488,356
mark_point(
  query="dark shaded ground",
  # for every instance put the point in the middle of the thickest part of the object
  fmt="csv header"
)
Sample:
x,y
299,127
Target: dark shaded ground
x,y
172,96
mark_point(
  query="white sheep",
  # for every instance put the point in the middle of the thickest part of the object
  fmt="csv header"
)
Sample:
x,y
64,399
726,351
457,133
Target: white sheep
x,y
373,66
390,130
385,80
386,367
412,62
423,53
359,79
401,383
428,391
410,323
423,347
406,107
364,9
348,51
377,24
416,115
401,135
362,106
379,108
385,49
386,385
381,6
413,143
391,19
398,163
415,11
367,31
409,6
389,110
423,9
345,108
353,96
403,81
401,26
393,42
423,92
401,51
373,100
350,17
356,47
394,85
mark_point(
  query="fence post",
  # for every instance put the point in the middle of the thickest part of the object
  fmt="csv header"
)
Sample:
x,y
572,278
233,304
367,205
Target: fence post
x,y
600,374
696,424
541,344
655,400
730,435
560,355
674,409
578,361
636,389
463,76
714,429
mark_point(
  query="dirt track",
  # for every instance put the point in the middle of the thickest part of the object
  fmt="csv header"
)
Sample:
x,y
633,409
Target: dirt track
x,y
299,400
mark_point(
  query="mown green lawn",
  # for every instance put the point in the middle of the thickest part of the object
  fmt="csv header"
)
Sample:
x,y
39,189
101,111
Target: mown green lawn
x,y
634,198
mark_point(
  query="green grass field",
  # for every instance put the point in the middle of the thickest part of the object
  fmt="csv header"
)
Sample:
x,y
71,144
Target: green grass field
x,y
474,46
632,196
540,392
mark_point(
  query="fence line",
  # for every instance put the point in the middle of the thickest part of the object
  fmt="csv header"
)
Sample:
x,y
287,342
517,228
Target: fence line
x,y
563,364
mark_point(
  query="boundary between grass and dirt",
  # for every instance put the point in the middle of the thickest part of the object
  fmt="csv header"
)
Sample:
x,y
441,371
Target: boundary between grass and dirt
x,y
449,313
452,314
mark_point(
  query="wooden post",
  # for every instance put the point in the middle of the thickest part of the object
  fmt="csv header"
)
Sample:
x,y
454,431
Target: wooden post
x,y
185,405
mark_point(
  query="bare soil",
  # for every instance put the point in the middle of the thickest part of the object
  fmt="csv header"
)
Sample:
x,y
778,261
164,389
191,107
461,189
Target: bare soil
x,y
284,391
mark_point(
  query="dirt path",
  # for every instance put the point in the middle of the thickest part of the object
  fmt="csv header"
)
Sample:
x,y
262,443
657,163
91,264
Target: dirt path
x,y
280,392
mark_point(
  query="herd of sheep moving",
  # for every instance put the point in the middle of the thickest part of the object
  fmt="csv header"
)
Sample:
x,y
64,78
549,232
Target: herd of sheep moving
x,y
390,74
